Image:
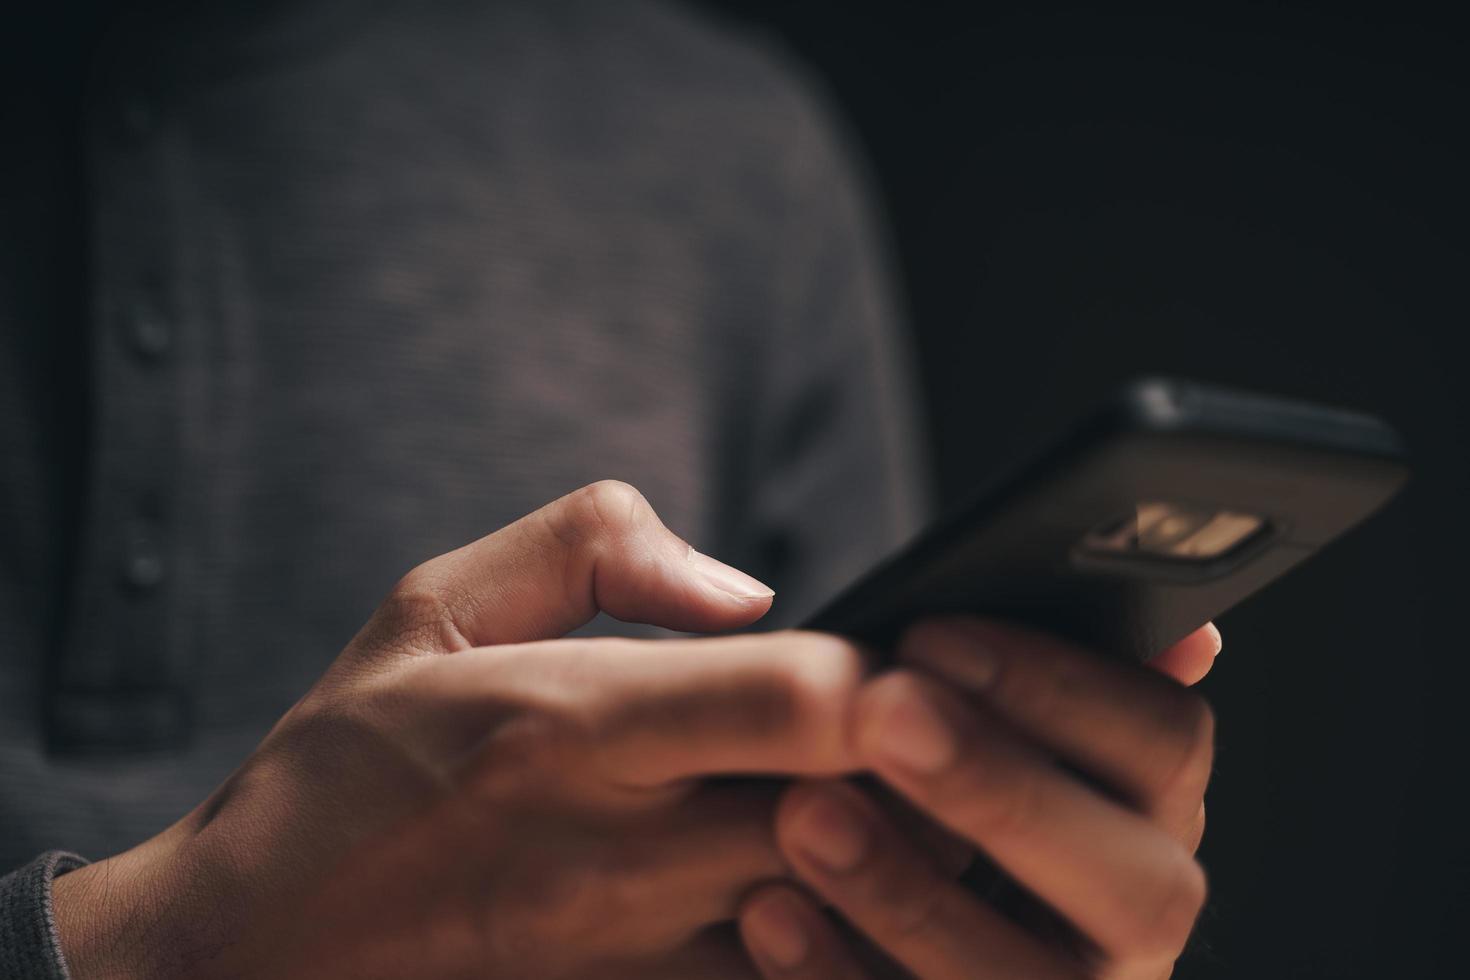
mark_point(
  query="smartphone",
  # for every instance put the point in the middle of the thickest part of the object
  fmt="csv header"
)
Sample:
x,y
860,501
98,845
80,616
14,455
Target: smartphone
x,y
1161,511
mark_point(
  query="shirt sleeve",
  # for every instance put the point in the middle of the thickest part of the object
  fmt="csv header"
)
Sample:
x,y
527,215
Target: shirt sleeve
x,y
29,949
841,466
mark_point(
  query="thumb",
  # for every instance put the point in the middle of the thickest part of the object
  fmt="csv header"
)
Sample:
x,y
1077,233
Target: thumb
x,y
1189,660
600,548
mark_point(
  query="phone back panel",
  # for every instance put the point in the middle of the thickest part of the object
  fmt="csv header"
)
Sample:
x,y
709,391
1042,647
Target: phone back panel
x,y
1016,552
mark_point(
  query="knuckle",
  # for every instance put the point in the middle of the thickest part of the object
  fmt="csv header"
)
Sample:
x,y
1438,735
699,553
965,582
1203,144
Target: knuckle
x,y
1194,890
1196,829
1158,930
813,667
534,751
823,664
414,588
540,713
550,731
818,677
606,509
572,713
887,689
416,614
1193,743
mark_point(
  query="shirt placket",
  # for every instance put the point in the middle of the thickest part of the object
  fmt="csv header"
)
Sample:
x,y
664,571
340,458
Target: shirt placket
x,y
119,680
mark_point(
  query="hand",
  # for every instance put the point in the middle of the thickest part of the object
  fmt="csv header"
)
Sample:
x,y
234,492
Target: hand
x,y
454,798
986,729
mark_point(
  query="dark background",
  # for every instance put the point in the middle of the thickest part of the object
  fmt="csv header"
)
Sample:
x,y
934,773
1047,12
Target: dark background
x,y
1272,198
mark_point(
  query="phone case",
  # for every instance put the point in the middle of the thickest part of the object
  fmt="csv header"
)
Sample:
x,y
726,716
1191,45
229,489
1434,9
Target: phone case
x,y
1028,547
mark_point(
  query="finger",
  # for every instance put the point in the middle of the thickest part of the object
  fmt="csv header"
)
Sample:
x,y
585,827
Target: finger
x,y
950,852
789,938
1117,877
1144,736
1196,830
1189,660
853,857
600,548
652,881
715,954
709,853
644,714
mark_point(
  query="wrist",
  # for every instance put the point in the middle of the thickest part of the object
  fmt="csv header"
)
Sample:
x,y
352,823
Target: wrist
x,y
85,906
111,924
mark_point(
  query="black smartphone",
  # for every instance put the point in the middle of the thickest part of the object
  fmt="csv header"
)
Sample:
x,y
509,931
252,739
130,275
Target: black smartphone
x,y
1164,509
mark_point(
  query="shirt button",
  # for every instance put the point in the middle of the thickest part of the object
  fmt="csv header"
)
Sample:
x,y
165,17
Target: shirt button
x,y
147,331
142,565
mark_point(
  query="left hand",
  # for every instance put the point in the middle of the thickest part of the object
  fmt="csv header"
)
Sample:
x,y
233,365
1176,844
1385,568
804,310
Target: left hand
x,y
970,728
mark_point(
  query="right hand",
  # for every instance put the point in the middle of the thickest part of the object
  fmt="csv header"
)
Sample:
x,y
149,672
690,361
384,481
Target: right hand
x,y
461,794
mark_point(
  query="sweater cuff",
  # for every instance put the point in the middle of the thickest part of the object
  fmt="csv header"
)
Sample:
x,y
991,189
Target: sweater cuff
x,y
29,948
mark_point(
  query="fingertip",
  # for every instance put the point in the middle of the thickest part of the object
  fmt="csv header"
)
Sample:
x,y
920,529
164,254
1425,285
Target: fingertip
x,y
804,793
778,925
683,590
718,610
728,579
718,596
1191,659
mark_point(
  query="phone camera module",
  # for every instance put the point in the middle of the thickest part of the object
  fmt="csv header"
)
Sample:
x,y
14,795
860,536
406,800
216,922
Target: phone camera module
x,y
1176,532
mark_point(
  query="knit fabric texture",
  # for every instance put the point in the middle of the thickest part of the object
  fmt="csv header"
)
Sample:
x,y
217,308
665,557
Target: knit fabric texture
x,y
28,945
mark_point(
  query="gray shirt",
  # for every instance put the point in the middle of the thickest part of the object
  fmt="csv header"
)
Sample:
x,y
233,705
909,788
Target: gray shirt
x,y
353,283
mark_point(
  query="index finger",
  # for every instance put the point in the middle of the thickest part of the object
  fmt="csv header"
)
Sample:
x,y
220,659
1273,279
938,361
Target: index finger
x,y
649,712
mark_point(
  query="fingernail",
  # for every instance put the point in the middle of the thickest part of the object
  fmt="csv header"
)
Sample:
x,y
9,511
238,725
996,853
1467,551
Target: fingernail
x,y
727,579
913,735
831,834
1215,633
959,654
773,927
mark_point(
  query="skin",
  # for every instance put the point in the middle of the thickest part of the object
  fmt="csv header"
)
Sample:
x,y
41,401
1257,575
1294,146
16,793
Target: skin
x,y
971,730
467,792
